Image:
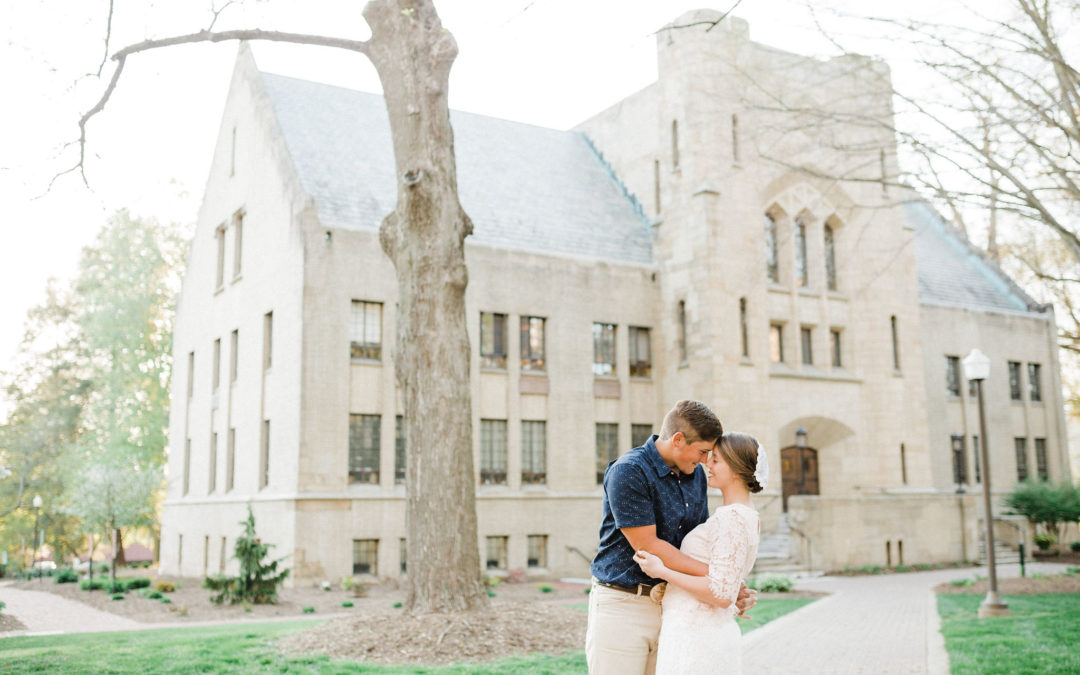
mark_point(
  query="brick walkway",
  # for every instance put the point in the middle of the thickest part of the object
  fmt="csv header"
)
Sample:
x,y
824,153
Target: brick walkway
x,y
874,624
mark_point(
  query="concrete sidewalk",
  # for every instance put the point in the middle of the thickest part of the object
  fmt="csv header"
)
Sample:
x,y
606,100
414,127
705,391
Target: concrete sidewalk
x,y
880,624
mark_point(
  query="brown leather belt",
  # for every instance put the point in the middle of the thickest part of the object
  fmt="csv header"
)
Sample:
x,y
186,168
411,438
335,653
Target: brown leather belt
x,y
640,589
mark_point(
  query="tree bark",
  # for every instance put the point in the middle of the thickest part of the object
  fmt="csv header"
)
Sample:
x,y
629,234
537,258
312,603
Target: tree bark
x,y
425,238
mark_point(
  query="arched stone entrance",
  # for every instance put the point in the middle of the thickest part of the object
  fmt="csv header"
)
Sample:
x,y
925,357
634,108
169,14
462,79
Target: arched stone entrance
x,y
811,448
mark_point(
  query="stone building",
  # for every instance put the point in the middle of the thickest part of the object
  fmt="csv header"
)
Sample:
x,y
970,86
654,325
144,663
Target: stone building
x,y
673,246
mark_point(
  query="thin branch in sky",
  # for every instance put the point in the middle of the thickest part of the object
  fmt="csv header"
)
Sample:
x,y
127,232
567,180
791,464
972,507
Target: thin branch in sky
x,y
108,36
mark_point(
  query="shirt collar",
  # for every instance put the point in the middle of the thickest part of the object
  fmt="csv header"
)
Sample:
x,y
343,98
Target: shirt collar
x,y
655,460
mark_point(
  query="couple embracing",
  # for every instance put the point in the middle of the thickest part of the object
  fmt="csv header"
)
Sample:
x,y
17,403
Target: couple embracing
x,y
659,544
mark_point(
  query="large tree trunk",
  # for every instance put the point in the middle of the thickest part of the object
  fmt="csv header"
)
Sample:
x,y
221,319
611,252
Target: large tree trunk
x,y
425,239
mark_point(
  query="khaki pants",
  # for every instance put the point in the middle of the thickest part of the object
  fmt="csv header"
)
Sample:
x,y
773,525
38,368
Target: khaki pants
x,y
622,634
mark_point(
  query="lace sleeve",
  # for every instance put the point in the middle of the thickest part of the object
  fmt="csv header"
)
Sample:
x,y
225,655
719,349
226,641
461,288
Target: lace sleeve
x,y
729,546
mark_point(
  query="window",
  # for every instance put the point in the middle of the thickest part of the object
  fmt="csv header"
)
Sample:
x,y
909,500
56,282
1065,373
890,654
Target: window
x,y
639,434
802,269
217,364
230,458
772,258
268,340
492,340
232,154
365,556
493,452
532,343
403,551
835,349
364,448
238,243
959,459
952,376
1015,393
806,336
640,352
1034,383
264,478
496,553
776,343
975,458
191,374
675,145
234,357
533,452
1021,458
365,331
187,464
221,556
607,448
400,466
735,139
536,555
219,234
1040,459
895,343
603,348
656,185
682,332
830,258
744,329
179,553
212,483
903,464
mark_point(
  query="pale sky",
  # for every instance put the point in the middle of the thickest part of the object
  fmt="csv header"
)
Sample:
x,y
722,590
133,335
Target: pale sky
x,y
552,63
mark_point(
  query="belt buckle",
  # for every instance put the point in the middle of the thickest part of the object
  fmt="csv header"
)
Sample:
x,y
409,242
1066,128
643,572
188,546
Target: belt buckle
x,y
656,593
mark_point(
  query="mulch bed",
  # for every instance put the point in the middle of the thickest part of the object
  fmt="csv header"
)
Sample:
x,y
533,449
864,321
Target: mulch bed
x,y
505,629
1058,583
9,623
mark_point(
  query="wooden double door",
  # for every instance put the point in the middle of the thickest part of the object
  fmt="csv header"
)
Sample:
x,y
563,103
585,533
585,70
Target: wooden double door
x,y
798,472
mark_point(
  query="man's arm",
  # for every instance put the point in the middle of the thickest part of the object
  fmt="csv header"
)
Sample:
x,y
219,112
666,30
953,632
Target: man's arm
x,y
645,539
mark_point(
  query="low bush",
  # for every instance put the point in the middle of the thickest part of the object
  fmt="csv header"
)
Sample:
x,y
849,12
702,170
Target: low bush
x,y
1044,541
544,588
118,596
67,576
1074,546
903,568
2,606
347,603
137,582
309,610
164,587
923,567
966,583
875,569
166,600
397,605
154,595
348,583
772,583
95,585
1072,570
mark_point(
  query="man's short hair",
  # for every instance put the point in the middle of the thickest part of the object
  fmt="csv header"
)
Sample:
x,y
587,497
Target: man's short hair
x,y
694,420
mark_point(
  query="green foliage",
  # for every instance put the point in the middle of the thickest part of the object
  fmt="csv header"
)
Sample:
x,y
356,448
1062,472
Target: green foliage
x,y
2,606
1072,570
66,576
164,587
962,583
258,579
903,568
154,595
545,588
771,583
166,600
491,593
348,583
308,610
1044,540
1074,546
872,569
137,582
492,582
95,585
118,596
397,605
923,567
347,603
1045,504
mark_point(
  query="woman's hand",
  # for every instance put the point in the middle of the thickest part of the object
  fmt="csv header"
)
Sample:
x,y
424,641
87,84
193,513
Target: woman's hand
x,y
650,564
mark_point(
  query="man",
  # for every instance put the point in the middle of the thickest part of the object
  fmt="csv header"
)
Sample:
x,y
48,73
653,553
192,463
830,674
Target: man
x,y
653,496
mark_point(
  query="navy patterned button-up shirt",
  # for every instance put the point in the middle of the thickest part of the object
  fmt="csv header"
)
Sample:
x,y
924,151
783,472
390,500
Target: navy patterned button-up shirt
x,y
641,489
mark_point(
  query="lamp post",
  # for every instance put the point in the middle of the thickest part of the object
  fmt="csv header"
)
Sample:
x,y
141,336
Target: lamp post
x,y
38,501
977,369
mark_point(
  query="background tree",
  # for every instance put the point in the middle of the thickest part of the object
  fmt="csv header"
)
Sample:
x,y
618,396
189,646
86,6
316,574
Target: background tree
x,y
424,238
258,580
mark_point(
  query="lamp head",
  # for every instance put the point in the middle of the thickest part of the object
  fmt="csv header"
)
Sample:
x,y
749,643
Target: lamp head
x,y
976,365
38,501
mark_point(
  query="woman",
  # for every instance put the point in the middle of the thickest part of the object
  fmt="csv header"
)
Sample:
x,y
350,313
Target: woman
x,y
698,633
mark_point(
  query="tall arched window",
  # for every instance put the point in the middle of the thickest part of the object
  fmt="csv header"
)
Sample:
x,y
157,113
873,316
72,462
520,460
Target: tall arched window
x,y
772,263
802,270
743,328
830,258
675,145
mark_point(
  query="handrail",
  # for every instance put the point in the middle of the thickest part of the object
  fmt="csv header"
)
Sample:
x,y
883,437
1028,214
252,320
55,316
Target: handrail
x,y
809,550
575,549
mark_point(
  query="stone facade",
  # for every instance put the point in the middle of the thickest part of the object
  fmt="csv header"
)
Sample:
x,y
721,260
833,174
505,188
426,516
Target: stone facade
x,y
662,226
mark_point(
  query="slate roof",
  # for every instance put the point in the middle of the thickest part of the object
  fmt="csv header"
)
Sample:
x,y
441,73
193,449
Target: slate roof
x,y
953,272
524,187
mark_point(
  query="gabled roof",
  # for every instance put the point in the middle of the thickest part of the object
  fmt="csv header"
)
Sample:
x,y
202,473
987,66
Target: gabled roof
x,y
953,272
524,187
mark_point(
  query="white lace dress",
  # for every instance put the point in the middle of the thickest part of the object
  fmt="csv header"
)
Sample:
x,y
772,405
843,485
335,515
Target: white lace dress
x,y
700,638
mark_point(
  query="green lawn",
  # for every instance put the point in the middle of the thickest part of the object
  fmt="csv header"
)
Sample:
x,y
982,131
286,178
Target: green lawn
x,y
1040,636
242,648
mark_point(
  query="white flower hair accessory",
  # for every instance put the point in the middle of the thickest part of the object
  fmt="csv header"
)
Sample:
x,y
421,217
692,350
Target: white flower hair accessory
x,y
761,472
